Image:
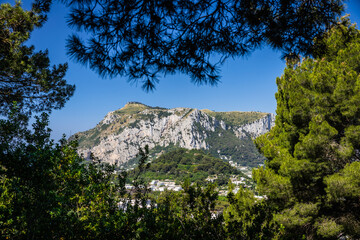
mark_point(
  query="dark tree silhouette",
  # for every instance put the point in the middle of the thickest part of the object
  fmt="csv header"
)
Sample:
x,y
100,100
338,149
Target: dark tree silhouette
x,y
143,40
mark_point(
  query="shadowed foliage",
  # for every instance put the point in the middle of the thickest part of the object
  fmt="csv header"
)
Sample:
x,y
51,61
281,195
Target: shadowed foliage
x,y
144,40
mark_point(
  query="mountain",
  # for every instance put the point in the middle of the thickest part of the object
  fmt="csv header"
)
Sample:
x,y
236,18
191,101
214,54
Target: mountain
x,y
227,135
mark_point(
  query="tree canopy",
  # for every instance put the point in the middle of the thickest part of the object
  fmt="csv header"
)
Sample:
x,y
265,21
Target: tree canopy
x,y
310,184
26,76
311,178
194,165
142,40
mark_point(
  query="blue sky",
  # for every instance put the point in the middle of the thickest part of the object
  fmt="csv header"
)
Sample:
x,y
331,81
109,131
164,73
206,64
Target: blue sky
x,y
247,84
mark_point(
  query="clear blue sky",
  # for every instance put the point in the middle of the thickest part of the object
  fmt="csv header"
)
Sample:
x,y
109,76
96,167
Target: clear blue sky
x,y
247,84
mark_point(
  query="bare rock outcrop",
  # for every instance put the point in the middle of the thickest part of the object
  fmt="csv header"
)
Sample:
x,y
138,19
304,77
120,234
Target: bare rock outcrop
x,y
119,135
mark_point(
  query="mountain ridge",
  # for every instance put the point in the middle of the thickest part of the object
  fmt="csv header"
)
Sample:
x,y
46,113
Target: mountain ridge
x,y
119,135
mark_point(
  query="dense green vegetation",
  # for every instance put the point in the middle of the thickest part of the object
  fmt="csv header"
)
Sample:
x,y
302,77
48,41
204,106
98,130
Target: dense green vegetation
x,y
311,178
310,182
194,165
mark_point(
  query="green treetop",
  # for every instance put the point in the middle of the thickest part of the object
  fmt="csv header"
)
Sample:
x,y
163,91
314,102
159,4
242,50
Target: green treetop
x,y
26,76
311,178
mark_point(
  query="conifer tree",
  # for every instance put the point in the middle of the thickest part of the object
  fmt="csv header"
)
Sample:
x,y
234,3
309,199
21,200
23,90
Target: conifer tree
x,y
26,76
144,40
311,178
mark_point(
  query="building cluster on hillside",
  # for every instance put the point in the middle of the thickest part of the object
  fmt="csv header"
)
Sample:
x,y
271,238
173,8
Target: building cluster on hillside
x,y
159,186
156,185
247,171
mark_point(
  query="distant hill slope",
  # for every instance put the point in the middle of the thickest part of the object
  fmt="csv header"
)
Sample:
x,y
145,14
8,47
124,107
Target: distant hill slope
x,y
195,165
227,135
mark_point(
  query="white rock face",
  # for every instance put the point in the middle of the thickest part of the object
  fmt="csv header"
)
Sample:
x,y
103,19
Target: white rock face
x,y
256,128
174,128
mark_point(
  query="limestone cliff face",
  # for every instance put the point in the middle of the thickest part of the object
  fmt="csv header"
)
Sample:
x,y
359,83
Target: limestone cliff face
x,y
256,128
119,135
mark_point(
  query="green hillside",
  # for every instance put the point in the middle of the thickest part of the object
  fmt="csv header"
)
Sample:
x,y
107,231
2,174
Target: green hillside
x,y
195,165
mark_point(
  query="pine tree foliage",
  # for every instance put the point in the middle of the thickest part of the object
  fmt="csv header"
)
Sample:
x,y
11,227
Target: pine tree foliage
x,y
249,218
26,76
311,176
143,40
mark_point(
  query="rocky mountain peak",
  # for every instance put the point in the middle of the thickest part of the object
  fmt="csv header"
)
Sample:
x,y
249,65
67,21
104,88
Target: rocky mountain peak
x,y
119,135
